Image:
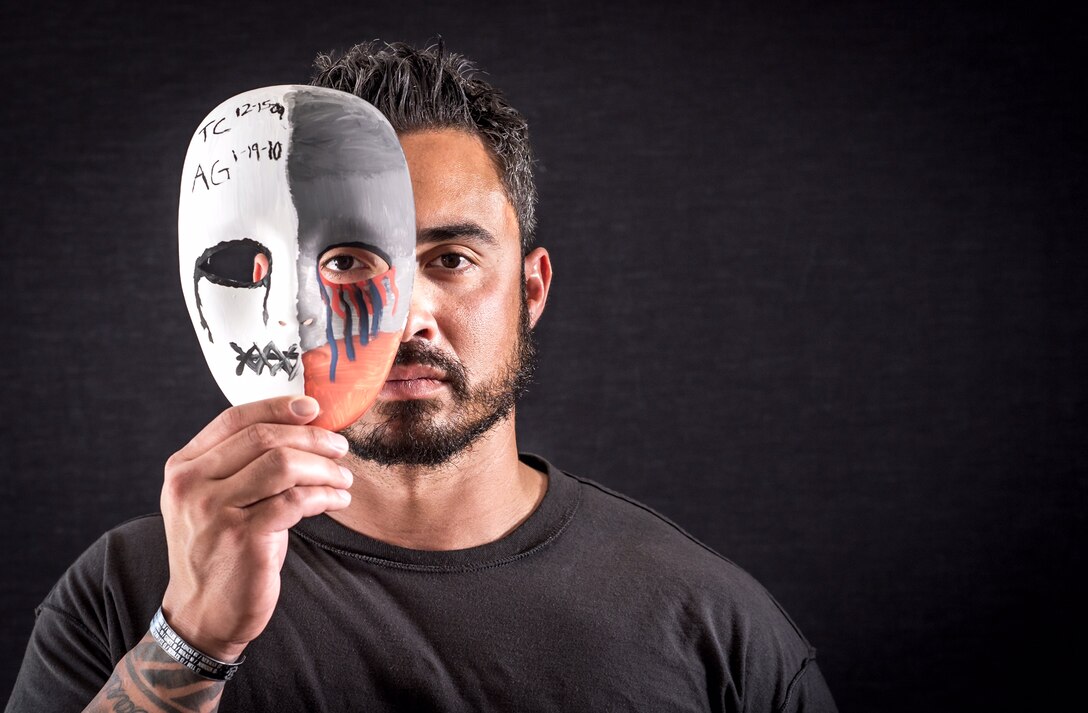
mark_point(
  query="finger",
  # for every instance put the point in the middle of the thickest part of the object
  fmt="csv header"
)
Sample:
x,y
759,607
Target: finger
x,y
284,510
279,470
284,409
249,444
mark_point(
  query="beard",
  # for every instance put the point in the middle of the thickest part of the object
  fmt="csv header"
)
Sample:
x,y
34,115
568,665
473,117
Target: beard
x,y
411,434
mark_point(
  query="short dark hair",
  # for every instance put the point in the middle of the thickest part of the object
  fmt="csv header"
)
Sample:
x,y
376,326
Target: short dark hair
x,y
430,88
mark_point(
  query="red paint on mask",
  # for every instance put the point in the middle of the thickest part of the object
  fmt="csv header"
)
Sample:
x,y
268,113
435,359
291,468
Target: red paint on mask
x,y
345,375
357,382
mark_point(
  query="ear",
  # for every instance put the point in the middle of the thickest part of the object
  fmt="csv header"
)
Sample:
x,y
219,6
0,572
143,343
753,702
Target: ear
x,y
538,280
260,267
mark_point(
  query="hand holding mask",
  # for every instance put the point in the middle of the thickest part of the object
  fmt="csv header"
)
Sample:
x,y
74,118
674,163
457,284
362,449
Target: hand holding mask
x,y
296,235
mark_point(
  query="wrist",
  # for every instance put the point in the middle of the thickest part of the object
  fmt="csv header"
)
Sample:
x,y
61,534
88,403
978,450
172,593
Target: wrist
x,y
200,662
197,636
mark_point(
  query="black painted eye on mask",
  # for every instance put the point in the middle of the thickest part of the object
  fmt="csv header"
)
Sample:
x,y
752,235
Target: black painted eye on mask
x,y
236,263
243,263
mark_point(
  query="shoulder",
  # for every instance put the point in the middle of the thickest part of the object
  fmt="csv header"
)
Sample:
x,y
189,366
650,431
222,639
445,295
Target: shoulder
x,y
97,611
117,583
755,643
658,552
649,539
135,547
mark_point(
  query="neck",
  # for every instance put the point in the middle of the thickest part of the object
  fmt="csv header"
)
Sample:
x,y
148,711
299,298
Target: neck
x,y
479,496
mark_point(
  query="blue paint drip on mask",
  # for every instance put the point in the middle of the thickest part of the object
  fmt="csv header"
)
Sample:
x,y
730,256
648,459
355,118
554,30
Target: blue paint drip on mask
x,y
348,346
376,303
364,329
328,327
365,333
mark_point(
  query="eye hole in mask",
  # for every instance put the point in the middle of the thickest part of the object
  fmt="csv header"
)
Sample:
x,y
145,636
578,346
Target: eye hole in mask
x,y
236,263
241,263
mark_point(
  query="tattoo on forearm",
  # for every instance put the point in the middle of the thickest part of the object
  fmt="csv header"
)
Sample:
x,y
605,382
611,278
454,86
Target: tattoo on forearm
x,y
173,689
148,680
121,703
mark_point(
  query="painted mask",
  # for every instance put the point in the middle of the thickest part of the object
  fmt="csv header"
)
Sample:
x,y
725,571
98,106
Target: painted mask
x,y
296,238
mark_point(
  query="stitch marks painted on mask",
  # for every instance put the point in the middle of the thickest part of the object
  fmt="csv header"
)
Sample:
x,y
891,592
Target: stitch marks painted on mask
x,y
270,357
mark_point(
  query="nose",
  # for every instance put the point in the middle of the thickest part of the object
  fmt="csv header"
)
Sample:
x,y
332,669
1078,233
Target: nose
x,y
421,320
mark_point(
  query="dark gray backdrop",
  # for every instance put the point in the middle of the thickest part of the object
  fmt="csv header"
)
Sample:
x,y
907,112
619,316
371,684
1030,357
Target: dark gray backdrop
x,y
819,296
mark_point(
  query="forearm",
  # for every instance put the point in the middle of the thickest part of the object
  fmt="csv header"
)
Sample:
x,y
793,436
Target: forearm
x,y
148,679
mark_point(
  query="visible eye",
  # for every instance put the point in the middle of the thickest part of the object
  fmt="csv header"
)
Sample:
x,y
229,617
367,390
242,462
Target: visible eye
x,y
344,265
451,261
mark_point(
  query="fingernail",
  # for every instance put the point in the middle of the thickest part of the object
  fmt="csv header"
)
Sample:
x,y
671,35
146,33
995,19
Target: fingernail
x,y
348,475
338,442
304,406
343,495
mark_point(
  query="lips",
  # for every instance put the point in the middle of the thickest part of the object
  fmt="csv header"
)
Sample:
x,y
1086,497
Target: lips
x,y
411,372
413,381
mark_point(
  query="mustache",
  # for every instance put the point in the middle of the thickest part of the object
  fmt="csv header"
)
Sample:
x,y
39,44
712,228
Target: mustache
x,y
421,354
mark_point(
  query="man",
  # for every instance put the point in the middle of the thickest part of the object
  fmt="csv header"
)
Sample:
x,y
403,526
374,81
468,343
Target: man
x,y
415,562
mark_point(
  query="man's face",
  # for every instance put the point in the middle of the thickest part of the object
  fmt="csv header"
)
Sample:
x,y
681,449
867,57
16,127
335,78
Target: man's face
x,y
466,348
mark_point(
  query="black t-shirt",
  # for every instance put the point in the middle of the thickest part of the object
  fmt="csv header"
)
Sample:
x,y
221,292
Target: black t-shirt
x,y
594,603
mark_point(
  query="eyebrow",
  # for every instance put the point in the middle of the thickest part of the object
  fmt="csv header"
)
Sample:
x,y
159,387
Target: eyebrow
x,y
471,232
